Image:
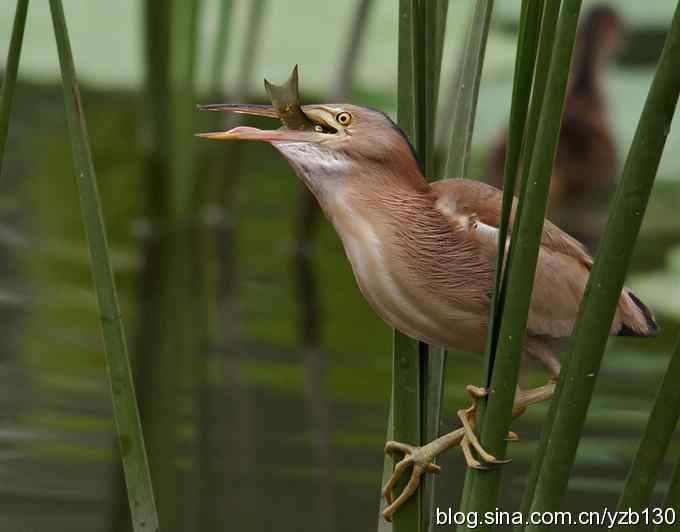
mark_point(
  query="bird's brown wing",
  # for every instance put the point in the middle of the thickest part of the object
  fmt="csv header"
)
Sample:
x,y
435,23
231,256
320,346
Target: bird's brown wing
x,y
563,264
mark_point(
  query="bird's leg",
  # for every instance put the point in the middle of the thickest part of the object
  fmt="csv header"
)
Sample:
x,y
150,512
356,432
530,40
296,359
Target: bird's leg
x,y
526,398
467,418
420,459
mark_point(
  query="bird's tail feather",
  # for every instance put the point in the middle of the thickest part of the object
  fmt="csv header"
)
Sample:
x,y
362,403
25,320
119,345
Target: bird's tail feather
x,y
635,318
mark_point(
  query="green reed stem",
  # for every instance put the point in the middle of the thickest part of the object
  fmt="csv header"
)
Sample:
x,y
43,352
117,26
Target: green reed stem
x,y
660,427
182,68
463,120
406,378
672,500
527,49
522,265
567,414
129,430
11,70
418,374
226,9
350,54
431,30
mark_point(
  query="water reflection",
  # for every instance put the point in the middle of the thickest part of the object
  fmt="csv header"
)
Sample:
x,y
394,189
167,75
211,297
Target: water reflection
x,y
253,418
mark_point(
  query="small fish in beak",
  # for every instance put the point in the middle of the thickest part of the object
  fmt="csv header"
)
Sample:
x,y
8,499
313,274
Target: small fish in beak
x,y
286,100
285,106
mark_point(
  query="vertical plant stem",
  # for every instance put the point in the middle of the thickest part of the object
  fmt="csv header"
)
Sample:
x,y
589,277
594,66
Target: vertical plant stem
x,y
465,95
430,36
522,265
406,386
405,352
226,9
606,279
432,408
135,466
182,66
420,42
528,48
148,347
350,56
383,524
658,432
11,69
672,499
430,47
467,92
253,40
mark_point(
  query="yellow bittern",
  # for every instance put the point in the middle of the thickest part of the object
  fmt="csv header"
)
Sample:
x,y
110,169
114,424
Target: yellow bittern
x,y
424,254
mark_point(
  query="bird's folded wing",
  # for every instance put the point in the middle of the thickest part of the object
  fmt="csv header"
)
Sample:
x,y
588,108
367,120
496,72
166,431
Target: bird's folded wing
x,y
563,263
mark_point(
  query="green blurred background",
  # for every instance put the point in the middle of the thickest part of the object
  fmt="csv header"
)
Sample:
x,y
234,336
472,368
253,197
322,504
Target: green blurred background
x,y
264,399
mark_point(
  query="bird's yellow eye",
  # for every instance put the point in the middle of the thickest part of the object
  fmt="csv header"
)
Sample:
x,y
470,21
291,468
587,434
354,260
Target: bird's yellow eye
x,y
344,118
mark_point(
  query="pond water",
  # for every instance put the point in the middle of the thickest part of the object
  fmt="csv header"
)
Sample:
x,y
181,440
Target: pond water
x,y
264,404
246,429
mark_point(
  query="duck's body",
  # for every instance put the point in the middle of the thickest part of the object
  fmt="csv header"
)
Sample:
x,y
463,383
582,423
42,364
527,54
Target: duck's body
x,y
584,172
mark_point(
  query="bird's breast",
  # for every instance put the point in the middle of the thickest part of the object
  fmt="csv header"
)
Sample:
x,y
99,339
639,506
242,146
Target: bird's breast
x,y
388,284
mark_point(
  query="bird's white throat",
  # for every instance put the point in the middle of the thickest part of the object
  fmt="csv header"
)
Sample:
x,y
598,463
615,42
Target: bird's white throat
x,y
320,167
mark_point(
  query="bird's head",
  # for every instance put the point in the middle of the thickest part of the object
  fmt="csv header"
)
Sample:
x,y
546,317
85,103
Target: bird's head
x,y
330,145
603,32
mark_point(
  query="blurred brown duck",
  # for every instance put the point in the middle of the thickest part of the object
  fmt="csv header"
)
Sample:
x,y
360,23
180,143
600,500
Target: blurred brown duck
x,y
423,255
585,167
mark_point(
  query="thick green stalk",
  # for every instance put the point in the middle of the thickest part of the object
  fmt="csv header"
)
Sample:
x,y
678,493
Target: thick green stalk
x,y
543,56
463,120
183,27
418,375
522,266
432,407
350,55
226,9
672,500
406,386
405,354
527,49
430,47
660,427
135,466
431,30
252,42
11,69
383,524
606,280
546,43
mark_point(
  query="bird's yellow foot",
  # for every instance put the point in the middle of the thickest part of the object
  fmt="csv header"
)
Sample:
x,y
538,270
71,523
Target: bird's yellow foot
x,y
470,441
421,459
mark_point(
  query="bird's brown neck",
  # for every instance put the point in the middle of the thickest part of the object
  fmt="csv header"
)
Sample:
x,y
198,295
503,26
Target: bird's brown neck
x,y
589,55
334,176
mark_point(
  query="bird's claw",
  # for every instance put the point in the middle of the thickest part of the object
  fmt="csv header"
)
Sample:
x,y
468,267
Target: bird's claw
x,y
470,440
419,460
512,437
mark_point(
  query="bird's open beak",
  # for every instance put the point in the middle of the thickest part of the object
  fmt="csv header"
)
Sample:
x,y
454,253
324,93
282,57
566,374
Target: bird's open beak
x,y
298,125
252,133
